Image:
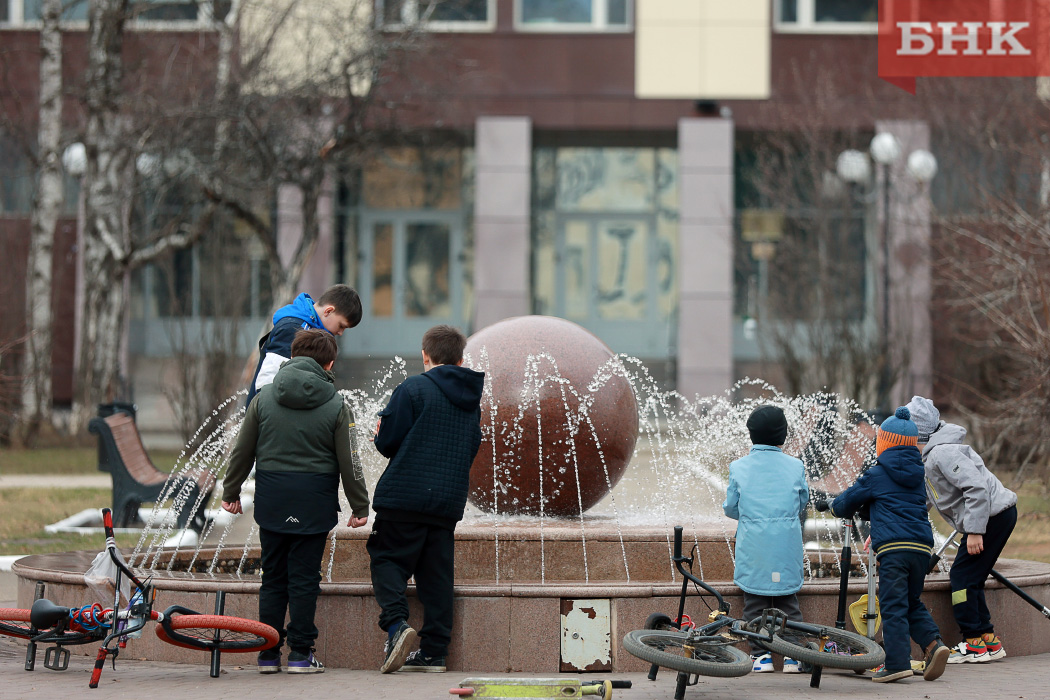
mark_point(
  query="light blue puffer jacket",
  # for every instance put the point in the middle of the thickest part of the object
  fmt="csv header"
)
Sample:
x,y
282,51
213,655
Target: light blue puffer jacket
x,y
767,492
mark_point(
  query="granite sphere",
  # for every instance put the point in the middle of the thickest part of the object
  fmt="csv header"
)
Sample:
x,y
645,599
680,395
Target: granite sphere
x,y
557,430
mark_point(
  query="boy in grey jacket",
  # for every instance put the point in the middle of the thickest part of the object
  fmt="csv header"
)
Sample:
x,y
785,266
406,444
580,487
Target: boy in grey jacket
x,y
975,503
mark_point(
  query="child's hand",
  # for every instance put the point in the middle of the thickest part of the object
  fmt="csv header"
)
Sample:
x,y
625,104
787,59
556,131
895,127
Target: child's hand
x,y
357,522
974,544
232,507
867,543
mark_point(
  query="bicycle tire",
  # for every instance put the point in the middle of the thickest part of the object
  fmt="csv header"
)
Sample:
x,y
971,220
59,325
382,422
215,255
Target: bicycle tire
x,y
829,647
14,622
703,657
235,634
659,621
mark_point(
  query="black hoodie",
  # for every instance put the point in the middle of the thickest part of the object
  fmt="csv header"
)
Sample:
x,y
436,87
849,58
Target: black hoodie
x,y
430,431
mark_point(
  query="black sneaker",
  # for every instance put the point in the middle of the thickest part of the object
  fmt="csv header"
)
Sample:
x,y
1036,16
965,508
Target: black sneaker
x,y
936,660
269,661
424,664
887,676
397,647
304,662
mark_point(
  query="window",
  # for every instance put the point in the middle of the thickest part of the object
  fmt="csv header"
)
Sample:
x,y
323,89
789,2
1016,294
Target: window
x,y
572,15
143,12
439,15
833,16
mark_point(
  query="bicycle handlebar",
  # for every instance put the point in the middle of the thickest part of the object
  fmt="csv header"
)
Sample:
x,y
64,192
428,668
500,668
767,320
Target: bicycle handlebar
x,y
679,560
111,547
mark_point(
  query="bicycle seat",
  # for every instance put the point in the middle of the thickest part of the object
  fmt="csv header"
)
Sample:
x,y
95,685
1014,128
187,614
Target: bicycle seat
x,y
45,614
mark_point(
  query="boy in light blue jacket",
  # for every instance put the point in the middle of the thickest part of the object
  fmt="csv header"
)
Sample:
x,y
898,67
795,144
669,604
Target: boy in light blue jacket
x,y
767,493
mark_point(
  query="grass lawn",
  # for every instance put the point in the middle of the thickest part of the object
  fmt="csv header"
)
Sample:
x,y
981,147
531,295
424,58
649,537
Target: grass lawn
x,y
64,460
25,512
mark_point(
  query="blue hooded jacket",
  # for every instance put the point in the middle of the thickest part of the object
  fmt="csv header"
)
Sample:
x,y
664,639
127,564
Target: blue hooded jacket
x,y
275,348
767,492
895,488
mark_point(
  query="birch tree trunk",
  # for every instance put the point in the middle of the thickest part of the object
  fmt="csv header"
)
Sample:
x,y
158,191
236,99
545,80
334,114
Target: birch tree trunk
x,y
36,387
105,230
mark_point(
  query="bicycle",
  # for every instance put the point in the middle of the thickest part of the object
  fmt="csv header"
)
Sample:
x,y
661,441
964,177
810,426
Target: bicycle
x,y
63,626
709,649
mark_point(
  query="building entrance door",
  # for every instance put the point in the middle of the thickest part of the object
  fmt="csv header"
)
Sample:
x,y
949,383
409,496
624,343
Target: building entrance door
x,y
411,269
610,271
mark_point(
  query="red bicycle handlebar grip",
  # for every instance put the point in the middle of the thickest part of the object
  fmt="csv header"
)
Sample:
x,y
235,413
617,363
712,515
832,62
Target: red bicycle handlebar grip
x,y
100,663
107,521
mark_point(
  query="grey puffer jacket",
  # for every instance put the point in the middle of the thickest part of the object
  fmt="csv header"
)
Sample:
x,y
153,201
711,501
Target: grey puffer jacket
x,y
958,484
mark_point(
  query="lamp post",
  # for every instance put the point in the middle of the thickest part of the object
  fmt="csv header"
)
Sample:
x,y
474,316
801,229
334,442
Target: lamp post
x,y
74,160
854,166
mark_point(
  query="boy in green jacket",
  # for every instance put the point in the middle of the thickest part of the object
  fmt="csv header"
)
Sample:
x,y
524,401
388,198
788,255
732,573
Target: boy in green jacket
x,y
300,435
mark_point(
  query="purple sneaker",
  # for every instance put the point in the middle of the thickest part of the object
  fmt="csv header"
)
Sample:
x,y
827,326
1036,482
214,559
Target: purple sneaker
x,y
269,661
299,662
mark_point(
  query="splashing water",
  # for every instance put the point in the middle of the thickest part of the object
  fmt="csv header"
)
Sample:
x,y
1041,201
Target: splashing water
x,y
677,475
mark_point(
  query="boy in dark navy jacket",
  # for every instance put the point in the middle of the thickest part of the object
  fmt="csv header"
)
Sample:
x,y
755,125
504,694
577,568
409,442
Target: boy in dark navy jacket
x,y
902,537
431,432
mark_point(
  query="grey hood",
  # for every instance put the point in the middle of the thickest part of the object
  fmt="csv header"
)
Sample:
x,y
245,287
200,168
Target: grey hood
x,y
958,483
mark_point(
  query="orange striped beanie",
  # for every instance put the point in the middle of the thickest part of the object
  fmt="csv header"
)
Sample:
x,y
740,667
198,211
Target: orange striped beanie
x,y
897,430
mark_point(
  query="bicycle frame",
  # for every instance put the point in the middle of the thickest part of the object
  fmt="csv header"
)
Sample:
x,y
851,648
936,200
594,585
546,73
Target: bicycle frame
x,y
64,626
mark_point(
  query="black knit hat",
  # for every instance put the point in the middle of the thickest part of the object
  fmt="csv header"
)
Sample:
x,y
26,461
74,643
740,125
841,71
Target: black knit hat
x,y
767,426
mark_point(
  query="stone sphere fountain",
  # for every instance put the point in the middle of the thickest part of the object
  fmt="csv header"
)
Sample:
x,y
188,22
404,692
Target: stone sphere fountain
x,y
562,537
557,442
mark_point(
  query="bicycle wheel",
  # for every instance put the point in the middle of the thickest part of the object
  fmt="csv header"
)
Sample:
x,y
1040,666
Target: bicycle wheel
x,y
223,632
659,621
14,622
824,646
681,652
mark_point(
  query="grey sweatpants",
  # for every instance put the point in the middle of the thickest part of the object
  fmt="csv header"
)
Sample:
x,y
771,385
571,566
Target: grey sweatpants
x,y
755,604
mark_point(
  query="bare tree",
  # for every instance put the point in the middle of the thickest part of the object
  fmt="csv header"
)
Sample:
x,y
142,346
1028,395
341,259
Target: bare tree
x,y
807,251
47,201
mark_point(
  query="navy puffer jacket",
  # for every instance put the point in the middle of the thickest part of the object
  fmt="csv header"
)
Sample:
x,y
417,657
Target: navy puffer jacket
x,y
895,488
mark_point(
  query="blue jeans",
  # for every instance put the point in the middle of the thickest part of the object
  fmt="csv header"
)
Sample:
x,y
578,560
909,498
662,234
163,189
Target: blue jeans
x,y
901,575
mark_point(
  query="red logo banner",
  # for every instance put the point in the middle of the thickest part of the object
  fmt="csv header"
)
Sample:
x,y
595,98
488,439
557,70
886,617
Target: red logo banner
x,y
962,38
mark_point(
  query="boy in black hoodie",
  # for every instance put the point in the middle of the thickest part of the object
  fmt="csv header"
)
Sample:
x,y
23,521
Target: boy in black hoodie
x,y
431,432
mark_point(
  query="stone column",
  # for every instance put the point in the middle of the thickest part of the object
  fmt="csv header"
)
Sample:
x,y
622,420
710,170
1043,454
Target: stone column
x,y
705,256
909,273
503,152
319,269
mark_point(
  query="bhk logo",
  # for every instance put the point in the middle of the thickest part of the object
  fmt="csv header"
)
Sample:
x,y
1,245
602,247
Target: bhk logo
x,y
962,38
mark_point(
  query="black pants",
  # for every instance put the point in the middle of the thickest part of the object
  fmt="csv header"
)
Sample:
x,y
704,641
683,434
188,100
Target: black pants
x,y
400,550
969,573
754,605
291,578
904,616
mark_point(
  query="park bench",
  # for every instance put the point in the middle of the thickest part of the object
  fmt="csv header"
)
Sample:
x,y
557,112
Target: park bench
x,y
136,480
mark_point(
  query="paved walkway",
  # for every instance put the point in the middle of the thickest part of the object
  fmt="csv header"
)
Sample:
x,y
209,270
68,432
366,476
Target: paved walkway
x,y
1027,678
55,481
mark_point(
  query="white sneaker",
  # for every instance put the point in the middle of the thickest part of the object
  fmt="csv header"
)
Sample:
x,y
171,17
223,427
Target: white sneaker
x,y
963,653
762,664
792,666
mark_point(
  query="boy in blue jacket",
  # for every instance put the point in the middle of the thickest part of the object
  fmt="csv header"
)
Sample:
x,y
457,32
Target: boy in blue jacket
x,y
902,537
767,492
338,309
431,432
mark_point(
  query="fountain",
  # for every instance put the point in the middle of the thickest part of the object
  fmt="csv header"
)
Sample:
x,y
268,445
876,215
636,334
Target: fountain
x,y
560,535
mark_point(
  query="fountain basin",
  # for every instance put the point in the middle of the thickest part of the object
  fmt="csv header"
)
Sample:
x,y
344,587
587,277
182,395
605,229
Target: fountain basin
x,y
517,624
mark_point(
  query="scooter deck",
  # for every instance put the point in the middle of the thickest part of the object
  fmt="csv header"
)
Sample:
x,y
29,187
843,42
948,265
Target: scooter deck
x,y
535,688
